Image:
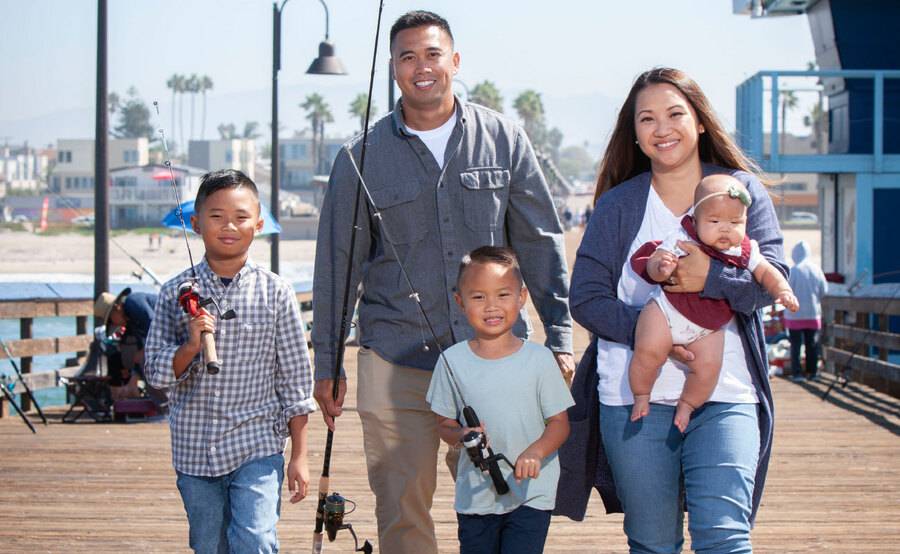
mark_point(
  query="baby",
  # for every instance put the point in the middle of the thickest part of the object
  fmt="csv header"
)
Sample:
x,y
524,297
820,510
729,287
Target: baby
x,y
718,225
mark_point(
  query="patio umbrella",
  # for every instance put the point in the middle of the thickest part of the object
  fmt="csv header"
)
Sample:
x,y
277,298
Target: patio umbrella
x,y
270,226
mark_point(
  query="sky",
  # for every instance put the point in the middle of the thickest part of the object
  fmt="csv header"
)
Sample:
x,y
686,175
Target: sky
x,y
581,55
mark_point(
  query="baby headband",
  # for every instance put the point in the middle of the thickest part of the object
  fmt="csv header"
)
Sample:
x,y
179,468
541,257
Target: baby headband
x,y
733,191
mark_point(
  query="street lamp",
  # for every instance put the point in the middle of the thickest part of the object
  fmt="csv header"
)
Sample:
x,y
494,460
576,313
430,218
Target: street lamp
x,y
325,64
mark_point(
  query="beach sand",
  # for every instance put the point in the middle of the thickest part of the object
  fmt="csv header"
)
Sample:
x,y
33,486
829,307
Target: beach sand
x,y
70,257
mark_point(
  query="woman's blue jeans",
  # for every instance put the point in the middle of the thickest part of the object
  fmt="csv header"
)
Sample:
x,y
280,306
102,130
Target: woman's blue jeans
x,y
715,460
236,512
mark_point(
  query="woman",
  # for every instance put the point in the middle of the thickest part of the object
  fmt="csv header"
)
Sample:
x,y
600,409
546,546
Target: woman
x,y
665,140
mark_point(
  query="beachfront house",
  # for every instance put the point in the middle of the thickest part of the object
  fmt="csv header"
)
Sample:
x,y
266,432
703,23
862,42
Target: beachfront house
x,y
142,196
73,177
238,153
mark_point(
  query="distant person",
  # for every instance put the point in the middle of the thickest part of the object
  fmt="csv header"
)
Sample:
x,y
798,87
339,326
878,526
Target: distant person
x,y
588,211
515,388
803,326
447,176
127,317
229,429
717,222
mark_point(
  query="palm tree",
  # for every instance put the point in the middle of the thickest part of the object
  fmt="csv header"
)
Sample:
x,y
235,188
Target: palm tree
x,y
318,113
358,109
174,84
530,108
250,130
789,101
180,86
486,94
206,84
192,85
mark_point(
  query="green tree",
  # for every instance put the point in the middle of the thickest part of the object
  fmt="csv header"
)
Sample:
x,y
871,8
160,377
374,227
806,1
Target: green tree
x,y
789,102
134,118
486,94
113,103
205,83
554,142
227,131
250,130
530,108
318,113
358,109
576,163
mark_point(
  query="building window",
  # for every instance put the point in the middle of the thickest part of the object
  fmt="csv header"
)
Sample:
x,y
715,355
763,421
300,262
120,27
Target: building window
x,y
64,156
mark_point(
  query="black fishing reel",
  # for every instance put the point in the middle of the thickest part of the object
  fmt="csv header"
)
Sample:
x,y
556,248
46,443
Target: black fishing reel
x,y
482,455
335,509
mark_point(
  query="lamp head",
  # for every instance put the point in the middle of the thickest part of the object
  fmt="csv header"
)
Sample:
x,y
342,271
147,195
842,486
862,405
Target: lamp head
x,y
327,63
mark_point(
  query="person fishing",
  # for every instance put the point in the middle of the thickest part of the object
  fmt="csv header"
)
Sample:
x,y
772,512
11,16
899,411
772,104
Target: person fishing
x,y
127,317
446,176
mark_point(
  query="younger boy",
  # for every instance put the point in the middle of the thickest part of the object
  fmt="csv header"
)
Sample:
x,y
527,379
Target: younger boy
x,y
229,428
517,391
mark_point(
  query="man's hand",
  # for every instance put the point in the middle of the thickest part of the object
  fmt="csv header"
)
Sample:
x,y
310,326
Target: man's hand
x,y
298,479
330,407
690,275
566,363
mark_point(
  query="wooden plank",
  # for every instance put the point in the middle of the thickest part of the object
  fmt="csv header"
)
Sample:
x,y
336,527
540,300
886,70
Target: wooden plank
x,y
889,306
862,363
17,310
37,381
870,337
22,348
75,307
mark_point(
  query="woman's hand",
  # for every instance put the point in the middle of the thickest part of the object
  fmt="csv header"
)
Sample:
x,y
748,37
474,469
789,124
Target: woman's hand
x,y
691,272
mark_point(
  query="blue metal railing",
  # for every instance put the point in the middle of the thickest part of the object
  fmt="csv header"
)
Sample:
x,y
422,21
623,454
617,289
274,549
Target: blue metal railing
x,y
751,133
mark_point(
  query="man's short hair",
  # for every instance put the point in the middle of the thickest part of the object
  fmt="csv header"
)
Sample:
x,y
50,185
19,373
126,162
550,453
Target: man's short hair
x,y
502,255
215,181
419,18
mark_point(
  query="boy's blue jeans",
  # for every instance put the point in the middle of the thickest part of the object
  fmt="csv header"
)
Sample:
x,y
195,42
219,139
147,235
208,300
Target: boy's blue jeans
x,y
716,458
521,531
236,512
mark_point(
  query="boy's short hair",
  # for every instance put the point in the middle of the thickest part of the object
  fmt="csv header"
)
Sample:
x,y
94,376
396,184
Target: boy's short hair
x,y
214,181
502,255
419,18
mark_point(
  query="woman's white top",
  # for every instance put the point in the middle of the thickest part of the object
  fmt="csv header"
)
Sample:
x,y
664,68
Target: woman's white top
x,y
735,384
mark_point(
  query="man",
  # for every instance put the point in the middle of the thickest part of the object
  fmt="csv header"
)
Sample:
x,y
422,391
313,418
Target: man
x,y
127,315
446,177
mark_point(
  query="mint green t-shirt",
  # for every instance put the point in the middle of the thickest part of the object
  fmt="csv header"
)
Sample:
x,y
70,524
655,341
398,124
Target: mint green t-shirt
x,y
512,396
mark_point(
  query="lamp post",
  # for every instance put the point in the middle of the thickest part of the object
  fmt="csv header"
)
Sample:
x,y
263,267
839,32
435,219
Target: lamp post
x,y
325,64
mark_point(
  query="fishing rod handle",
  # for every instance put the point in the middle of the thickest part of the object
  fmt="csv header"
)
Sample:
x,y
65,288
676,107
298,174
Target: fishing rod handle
x,y
318,533
208,341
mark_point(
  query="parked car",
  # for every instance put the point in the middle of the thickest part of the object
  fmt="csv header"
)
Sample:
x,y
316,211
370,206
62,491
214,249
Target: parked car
x,y
83,221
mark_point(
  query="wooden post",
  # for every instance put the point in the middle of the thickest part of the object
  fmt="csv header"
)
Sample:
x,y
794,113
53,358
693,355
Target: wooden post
x,y
25,332
883,320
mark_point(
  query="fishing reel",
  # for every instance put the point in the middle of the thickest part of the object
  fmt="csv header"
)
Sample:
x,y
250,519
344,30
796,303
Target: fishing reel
x,y
482,455
192,303
333,509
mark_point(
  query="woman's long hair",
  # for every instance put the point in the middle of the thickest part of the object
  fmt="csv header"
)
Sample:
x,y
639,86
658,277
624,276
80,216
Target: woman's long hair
x,y
624,158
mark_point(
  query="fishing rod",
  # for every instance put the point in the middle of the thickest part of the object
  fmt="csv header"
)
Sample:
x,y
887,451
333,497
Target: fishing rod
x,y
329,509
482,456
30,394
12,400
145,270
189,297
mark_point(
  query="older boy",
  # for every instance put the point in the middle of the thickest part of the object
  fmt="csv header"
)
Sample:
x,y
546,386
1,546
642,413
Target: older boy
x,y
229,429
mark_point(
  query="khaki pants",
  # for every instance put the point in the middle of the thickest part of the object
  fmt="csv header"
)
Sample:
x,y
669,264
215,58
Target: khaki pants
x,y
401,444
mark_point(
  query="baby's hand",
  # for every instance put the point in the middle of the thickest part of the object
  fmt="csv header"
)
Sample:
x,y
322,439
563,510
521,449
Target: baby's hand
x,y
641,406
528,464
661,265
788,300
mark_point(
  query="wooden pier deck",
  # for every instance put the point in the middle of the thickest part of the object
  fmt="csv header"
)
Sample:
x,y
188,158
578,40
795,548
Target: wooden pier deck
x,y
834,485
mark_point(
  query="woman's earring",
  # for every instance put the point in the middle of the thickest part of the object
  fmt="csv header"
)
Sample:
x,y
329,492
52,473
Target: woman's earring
x,y
636,142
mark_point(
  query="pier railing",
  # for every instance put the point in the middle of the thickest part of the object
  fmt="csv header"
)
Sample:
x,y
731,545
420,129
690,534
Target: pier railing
x,y
26,346
857,340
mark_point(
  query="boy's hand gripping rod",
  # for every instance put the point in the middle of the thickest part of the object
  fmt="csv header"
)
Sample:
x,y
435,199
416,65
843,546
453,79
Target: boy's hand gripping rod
x,y
189,292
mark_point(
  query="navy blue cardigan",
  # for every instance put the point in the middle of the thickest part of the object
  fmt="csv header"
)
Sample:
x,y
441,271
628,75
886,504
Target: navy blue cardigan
x,y
592,298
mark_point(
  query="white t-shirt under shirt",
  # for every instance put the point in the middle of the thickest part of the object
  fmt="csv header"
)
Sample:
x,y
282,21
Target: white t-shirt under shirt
x,y
436,139
735,384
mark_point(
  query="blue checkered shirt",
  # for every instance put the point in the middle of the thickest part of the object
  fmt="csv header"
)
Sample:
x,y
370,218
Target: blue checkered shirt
x,y
222,421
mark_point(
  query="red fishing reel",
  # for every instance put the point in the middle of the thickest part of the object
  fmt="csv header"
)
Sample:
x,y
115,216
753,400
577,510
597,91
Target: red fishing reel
x,y
194,305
